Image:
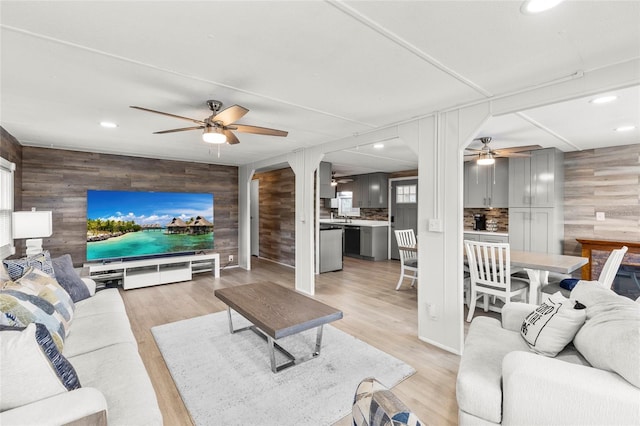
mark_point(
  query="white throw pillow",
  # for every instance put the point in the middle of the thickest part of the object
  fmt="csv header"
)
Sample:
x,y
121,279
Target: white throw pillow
x,y
32,368
552,325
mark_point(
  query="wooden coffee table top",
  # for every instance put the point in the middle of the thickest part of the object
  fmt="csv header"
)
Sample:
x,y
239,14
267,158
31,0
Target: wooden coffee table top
x,y
276,310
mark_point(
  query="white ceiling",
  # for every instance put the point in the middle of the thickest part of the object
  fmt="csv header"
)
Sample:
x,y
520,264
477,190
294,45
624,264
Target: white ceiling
x,y
320,70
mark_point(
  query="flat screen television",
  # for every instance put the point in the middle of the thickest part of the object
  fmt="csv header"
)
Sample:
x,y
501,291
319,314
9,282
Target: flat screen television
x,y
125,225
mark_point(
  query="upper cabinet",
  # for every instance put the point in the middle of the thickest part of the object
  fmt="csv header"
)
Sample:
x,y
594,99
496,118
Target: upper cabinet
x,y
536,181
486,186
324,176
370,190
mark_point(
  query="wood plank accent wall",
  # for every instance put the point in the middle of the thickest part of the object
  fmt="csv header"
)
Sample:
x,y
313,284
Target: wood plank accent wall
x,y
601,180
58,180
277,236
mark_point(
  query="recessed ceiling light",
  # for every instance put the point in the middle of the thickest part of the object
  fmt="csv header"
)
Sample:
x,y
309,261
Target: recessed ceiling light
x,y
625,128
603,99
531,7
378,145
108,124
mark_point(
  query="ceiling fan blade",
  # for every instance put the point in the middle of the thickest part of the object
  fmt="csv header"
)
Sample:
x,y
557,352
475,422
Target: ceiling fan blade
x,y
178,130
231,138
511,154
168,115
472,149
259,130
230,115
520,148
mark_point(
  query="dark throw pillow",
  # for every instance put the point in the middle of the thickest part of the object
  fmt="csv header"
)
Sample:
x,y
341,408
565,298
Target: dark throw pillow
x,y
68,278
567,283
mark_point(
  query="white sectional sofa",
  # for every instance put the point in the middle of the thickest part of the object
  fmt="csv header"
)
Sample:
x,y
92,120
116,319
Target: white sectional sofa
x,y
116,388
593,381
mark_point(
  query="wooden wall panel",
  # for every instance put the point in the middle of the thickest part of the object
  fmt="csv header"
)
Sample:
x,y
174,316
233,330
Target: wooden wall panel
x,y
601,180
277,216
58,180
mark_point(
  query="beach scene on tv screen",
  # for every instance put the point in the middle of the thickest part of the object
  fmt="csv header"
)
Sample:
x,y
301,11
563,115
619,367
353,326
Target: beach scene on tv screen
x,y
124,224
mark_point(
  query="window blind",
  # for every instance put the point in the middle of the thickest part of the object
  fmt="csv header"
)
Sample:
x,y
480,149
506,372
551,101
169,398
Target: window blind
x,y
6,207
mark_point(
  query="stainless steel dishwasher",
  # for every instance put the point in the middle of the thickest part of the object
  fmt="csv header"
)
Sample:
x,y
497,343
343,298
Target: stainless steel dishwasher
x,y
352,240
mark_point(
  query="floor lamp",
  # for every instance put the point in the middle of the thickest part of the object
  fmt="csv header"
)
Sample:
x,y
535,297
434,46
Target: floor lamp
x,y
32,225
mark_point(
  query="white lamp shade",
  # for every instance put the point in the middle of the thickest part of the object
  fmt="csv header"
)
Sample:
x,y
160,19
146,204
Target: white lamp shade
x,y
32,224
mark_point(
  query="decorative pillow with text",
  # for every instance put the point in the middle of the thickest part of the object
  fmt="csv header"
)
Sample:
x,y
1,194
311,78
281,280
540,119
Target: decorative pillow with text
x,y
552,325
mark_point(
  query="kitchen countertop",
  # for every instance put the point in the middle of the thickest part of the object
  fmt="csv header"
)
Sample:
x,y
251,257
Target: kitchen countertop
x,y
471,231
355,222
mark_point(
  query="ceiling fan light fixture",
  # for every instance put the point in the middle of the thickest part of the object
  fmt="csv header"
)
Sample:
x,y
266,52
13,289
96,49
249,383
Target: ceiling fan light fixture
x,y
485,159
214,135
532,7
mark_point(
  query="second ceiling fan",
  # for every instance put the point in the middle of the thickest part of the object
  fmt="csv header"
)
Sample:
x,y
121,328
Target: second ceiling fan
x,y
219,125
486,155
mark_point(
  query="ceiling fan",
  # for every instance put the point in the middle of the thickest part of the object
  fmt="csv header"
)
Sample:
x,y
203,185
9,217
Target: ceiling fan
x,y
217,127
336,180
487,156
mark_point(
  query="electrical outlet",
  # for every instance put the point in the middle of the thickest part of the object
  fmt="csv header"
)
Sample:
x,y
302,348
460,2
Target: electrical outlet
x,y
230,258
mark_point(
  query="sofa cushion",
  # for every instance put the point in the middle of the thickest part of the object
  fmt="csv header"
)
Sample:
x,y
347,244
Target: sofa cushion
x,y
553,324
104,301
610,337
18,267
94,332
32,368
479,384
118,372
69,278
20,308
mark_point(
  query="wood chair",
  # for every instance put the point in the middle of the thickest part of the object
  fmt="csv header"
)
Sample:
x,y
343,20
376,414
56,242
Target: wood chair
x,y
607,275
408,258
490,269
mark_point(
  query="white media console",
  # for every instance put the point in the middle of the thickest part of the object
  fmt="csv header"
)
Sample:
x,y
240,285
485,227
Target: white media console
x,y
160,270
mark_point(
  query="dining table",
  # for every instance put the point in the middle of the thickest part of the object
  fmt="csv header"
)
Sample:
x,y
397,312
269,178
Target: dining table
x,y
537,266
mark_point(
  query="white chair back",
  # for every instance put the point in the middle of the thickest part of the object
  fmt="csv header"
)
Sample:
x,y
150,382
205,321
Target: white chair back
x,y
490,274
611,266
406,238
489,263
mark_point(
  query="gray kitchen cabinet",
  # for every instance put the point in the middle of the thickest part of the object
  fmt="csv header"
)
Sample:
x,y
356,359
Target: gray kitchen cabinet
x,y
371,190
486,186
324,177
360,191
536,221
374,242
535,229
534,181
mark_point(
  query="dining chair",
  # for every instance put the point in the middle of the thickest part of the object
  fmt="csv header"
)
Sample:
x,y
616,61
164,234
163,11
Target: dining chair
x,y
606,277
408,258
490,273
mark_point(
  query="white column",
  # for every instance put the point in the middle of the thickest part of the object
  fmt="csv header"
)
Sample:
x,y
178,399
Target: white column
x,y
304,163
245,174
441,139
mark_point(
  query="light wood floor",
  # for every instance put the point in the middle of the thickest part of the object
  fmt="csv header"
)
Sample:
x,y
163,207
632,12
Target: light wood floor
x,y
373,312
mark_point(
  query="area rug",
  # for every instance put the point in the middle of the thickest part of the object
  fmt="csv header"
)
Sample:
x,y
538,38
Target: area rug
x,y
226,379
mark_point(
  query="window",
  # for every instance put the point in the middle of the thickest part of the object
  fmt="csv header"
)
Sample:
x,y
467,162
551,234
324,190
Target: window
x,y
6,207
406,194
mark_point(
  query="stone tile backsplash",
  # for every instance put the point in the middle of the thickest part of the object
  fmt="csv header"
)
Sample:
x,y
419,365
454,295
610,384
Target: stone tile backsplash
x,y
501,215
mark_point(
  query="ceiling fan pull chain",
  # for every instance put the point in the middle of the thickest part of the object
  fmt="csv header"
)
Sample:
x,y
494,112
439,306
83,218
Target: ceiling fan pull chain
x,y
218,151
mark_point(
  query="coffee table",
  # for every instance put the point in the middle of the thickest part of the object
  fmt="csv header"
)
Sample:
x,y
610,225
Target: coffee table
x,y
277,312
